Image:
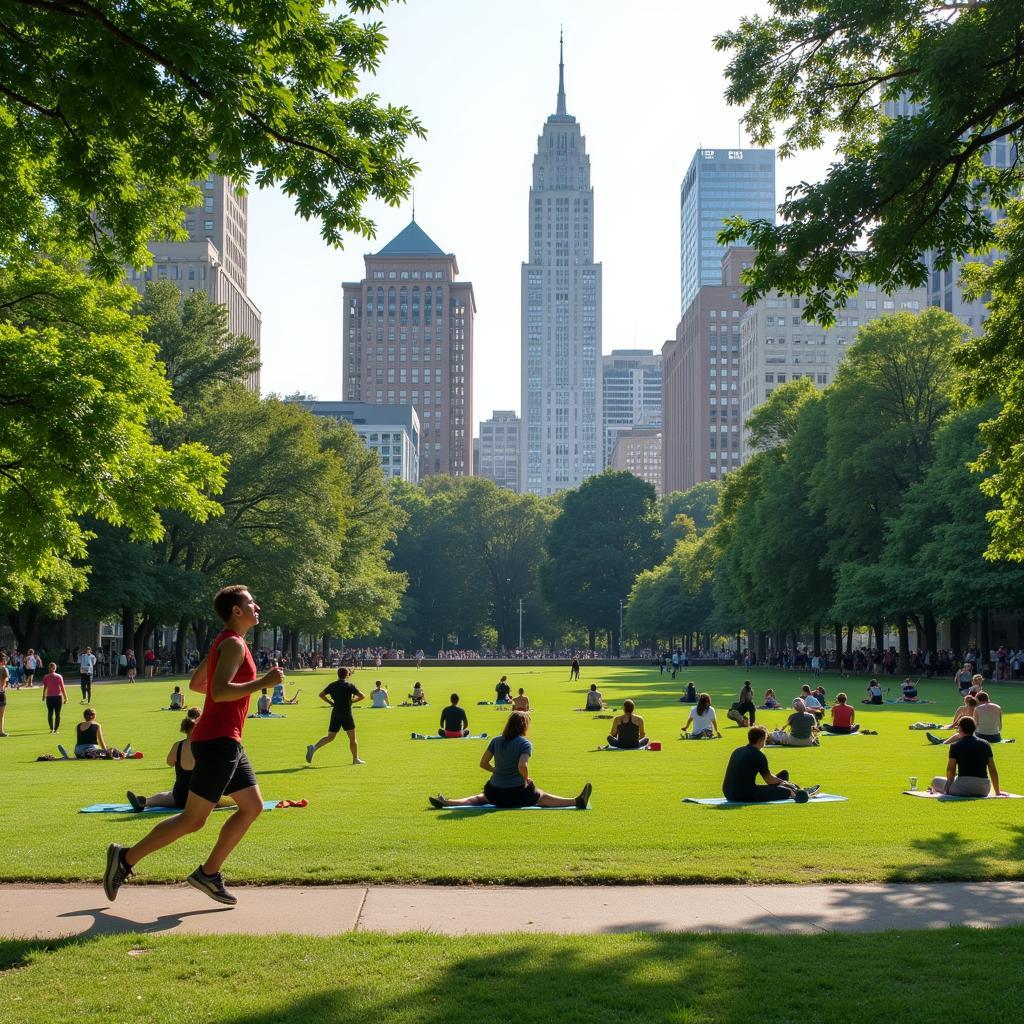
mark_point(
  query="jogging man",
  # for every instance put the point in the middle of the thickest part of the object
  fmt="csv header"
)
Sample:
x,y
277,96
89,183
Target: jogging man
x,y
86,667
340,695
227,675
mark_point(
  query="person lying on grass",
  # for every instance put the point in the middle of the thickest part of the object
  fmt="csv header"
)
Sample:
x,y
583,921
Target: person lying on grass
x,y
627,732
595,702
506,759
703,720
180,758
802,728
521,702
454,721
970,766
747,763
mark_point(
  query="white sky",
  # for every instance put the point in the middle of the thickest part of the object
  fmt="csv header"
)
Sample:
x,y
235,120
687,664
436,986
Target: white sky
x,y
646,85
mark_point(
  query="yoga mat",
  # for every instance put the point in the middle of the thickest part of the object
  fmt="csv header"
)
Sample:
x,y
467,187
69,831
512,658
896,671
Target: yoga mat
x,y
421,736
492,807
946,796
911,703
720,801
656,749
268,805
927,727
266,716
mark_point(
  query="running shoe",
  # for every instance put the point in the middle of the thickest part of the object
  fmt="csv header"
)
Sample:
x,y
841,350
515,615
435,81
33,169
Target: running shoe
x,y
117,871
310,751
801,796
212,885
138,802
359,760
63,752
436,802
128,751
811,790
934,739
584,798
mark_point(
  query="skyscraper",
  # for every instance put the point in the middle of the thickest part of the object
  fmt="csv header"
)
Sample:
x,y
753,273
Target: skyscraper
x,y
630,393
408,339
561,313
719,183
214,260
499,449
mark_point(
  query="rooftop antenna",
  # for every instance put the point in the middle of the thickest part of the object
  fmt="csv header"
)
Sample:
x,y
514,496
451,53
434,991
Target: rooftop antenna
x,y
414,203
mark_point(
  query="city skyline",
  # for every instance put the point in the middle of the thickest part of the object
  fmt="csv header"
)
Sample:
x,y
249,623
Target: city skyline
x,y
483,113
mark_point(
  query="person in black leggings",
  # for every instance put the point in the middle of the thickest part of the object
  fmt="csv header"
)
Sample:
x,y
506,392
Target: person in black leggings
x,y
745,705
627,731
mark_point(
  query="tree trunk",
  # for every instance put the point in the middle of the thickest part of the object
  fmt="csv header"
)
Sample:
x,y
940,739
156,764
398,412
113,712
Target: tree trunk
x,y
904,631
956,635
592,638
879,645
984,640
837,629
128,630
817,638
849,638
179,644
931,637
293,652
325,647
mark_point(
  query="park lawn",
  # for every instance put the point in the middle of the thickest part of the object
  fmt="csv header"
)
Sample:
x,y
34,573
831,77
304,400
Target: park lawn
x,y
725,979
372,823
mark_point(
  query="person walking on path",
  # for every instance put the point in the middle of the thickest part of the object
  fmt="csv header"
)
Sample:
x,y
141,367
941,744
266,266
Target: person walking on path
x,y
55,696
86,668
227,676
340,695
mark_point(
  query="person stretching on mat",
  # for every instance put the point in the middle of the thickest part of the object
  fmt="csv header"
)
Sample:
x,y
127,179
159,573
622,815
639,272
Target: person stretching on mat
x,y
627,732
746,763
507,760
379,696
595,702
54,696
703,719
341,695
177,700
454,721
227,676
279,696
745,703
842,718
909,694
521,702
966,710
180,758
89,739
874,693
503,690
970,766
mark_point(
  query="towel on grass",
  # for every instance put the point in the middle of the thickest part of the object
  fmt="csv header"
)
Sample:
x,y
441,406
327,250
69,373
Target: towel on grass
x,y
720,801
492,807
268,805
948,796
898,701
271,715
926,726
422,736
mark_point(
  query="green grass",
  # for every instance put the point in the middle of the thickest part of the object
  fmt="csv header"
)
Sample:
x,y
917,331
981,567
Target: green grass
x,y
689,979
372,822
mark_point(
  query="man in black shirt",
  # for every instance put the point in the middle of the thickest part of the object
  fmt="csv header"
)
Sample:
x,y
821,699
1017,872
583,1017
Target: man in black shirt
x,y
340,695
746,763
970,765
454,722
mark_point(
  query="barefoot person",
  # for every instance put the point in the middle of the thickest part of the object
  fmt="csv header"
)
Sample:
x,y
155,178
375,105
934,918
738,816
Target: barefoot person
x,y
703,721
507,760
842,718
970,766
454,722
340,695
521,702
747,763
227,675
627,731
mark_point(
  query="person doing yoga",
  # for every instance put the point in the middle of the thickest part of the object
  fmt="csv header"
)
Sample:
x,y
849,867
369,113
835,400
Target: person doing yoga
x,y
963,678
418,696
454,721
177,700
507,760
89,741
970,766
747,763
703,720
627,732
874,693
379,696
842,718
264,705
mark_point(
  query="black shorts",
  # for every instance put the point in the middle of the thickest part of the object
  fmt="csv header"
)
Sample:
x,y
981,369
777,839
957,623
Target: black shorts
x,y
222,767
341,720
514,796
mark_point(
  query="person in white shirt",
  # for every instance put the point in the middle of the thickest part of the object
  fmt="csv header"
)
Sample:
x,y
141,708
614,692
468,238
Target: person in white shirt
x,y
32,664
86,667
811,702
989,717
263,705
379,697
703,720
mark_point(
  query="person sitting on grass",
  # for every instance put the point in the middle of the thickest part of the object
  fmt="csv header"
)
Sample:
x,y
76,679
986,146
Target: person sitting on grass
x,y
690,694
89,741
507,760
454,721
811,702
279,696
963,678
177,700
379,696
842,718
771,702
989,718
747,763
180,758
417,697
977,684
503,691
970,766
703,720
745,704
802,726
627,732
966,710
874,693
908,692
521,702
263,705
595,702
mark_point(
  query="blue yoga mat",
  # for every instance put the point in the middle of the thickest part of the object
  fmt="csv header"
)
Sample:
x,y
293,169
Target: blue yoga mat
x,y
720,801
492,807
421,736
268,805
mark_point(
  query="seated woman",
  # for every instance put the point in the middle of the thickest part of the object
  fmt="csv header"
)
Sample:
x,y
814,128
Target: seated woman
x,y
627,732
521,702
988,716
507,760
704,721
89,741
966,710
690,694
811,702
279,697
908,692
874,693
180,758
418,696
802,728
379,696
771,702
842,718
177,700
970,766
503,692
263,705
595,702
963,678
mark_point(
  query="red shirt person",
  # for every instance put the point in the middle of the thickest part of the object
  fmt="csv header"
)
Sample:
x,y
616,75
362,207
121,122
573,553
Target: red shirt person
x,y
227,676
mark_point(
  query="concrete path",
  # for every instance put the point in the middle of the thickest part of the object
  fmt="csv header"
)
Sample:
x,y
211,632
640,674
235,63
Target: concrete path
x,y
49,911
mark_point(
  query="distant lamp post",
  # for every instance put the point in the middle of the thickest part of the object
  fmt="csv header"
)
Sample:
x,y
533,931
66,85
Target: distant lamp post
x,y
621,606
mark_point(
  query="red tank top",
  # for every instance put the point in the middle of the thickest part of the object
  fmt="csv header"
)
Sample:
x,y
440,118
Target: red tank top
x,y
842,716
224,719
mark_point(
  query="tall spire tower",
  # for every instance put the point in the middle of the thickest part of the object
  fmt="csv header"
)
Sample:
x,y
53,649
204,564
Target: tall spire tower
x,y
561,312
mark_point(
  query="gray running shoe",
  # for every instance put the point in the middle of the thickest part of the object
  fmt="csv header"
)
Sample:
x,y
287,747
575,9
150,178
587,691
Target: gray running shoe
x,y
212,885
934,739
63,752
116,872
811,790
310,751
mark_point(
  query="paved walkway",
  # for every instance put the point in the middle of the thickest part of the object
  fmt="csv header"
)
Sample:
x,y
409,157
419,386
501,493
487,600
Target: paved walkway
x,y
49,911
